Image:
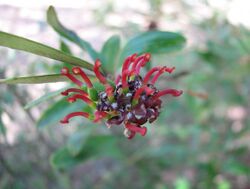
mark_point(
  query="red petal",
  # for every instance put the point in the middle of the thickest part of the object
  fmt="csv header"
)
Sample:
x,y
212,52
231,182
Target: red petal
x,y
79,71
69,116
98,74
65,72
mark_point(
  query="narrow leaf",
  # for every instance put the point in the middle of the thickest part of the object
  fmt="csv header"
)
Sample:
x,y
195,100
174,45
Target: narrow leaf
x,y
69,34
36,79
20,43
110,51
65,48
43,98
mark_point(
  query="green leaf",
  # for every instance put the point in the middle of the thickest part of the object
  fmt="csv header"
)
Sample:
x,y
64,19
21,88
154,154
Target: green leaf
x,y
98,86
53,20
223,184
2,127
43,98
56,112
236,168
95,147
37,79
63,159
154,42
65,48
93,94
110,51
181,183
20,43
77,141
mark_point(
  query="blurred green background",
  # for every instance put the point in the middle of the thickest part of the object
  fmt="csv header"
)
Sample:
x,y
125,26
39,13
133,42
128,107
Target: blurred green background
x,y
201,140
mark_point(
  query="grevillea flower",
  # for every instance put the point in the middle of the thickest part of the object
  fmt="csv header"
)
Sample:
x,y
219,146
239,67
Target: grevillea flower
x,y
131,101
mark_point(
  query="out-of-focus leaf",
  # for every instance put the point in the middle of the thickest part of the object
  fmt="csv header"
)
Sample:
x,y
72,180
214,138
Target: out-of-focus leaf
x,y
223,184
53,20
20,43
2,127
181,183
236,168
64,47
6,97
62,159
154,42
95,146
36,79
43,98
56,112
110,51
77,141
162,151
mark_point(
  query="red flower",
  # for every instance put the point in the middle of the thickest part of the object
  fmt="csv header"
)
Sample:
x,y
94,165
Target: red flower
x,y
132,100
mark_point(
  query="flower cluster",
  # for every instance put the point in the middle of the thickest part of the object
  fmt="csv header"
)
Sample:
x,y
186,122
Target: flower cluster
x,y
132,100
